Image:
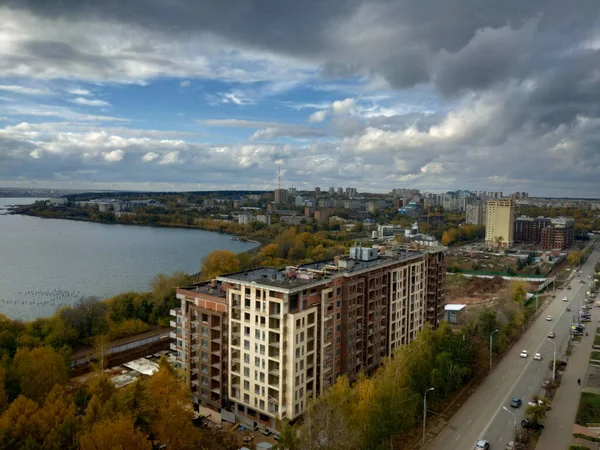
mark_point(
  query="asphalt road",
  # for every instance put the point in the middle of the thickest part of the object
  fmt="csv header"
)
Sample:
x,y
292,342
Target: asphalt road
x,y
482,416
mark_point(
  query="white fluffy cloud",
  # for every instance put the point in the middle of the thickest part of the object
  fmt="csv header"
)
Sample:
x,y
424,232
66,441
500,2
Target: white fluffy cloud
x,y
114,156
90,102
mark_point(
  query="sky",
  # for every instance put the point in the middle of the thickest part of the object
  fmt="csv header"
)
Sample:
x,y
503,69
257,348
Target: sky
x,y
498,95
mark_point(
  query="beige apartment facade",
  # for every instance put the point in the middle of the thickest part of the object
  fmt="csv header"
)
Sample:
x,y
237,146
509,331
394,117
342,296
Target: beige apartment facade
x,y
499,226
290,333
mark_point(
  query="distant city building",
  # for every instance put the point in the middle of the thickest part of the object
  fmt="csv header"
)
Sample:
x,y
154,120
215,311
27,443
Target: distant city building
x,y
412,209
322,216
264,218
340,191
351,192
281,196
499,229
317,190
292,190
331,190
291,220
244,219
475,214
528,230
560,235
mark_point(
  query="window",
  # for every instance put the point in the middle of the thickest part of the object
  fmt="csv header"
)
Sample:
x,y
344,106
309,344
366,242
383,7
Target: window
x,y
246,371
257,389
246,384
247,317
246,398
246,358
246,345
338,304
247,331
257,361
257,334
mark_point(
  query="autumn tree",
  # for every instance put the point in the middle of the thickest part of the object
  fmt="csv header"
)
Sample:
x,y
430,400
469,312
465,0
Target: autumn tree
x,y
38,370
574,258
17,426
3,396
116,433
218,262
169,411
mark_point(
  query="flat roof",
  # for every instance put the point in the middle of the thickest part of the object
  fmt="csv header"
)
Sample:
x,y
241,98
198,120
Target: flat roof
x,y
312,273
143,366
454,307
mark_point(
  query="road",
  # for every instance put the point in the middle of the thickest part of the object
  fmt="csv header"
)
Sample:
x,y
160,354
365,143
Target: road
x,y
482,416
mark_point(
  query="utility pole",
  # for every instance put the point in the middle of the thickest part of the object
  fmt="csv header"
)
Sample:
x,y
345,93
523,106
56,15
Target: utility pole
x,y
491,335
425,411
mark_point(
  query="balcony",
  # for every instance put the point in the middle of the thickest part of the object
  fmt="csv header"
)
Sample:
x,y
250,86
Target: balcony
x,y
173,323
173,312
173,335
173,346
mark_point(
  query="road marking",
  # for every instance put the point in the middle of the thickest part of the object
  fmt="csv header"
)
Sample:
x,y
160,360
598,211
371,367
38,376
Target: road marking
x,y
469,422
528,387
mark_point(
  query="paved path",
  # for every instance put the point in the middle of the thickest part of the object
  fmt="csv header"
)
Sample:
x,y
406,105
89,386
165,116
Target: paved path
x,y
557,433
482,416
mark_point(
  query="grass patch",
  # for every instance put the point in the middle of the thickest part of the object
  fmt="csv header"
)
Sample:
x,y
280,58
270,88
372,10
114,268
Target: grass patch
x,y
598,330
577,338
597,340
589,409
595,355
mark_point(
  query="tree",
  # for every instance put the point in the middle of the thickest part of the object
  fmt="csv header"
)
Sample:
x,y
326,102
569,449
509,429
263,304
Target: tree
x,y
18,424
38,370
101,346
574,258
219,262
288,437
115,434
169,412
536,413
3,396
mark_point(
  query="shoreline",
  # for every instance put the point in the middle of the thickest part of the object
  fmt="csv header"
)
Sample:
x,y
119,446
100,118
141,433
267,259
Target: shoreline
x,y
238,237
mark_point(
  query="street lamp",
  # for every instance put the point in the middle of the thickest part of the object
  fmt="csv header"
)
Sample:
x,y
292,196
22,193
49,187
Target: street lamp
x,y
425,410
553,361
514,422
491,334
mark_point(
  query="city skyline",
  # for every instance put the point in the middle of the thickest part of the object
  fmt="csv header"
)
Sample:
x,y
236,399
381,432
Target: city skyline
x,y
339,94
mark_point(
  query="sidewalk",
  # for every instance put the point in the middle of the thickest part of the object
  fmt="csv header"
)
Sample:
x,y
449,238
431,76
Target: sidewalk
x,y
558,431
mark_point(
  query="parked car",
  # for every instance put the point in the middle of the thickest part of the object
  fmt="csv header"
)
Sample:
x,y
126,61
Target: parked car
x,y
509,445
515,402
551,334
537,356
548,318
568,308
531,425
569,287
482,445
523,353
565,299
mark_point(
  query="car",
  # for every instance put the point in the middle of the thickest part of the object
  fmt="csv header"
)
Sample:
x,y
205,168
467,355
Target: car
x,y
568,308
586,319
482,444
582,281
515,402
548,318
551,334
530,424
569,287
565,299
537,356
509,445
523,353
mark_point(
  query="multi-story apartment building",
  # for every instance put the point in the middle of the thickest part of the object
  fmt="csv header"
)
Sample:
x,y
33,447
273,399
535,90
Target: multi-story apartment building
x,y
292,332
528,230
475,213
560,235
281,196
500,217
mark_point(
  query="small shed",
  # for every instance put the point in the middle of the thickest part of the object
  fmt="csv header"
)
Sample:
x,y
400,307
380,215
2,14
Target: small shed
x,y
452,312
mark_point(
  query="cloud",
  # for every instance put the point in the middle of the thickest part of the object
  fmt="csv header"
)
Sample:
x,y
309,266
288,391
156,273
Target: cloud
x,y
44,110
90,102
343,106
318,116
185,83
150,156
269,130
79,91
114,156
23,90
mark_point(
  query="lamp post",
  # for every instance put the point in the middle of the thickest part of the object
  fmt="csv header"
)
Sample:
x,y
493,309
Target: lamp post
x,y
491,335
514,422
425,410
553,361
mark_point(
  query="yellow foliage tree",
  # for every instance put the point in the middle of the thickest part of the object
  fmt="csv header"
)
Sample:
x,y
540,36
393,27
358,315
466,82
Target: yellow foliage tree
x,y
219,262
575,257
114,434
446,238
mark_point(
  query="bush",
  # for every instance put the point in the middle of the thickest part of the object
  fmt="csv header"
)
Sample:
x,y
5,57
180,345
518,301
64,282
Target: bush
x,y
578,447
586,437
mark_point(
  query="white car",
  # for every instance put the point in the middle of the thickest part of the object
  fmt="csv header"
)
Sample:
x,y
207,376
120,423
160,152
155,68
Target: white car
x,y
551,334
565,299
537,356
538,403
482,444
523,353
548,318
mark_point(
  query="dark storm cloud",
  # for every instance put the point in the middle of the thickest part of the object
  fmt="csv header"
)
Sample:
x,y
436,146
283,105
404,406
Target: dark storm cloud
x,y
459,44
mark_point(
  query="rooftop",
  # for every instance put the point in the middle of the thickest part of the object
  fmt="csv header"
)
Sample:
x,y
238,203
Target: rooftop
x,y
311,273
454,307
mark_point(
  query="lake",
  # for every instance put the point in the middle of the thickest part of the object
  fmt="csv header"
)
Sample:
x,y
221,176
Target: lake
x,y
46,263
